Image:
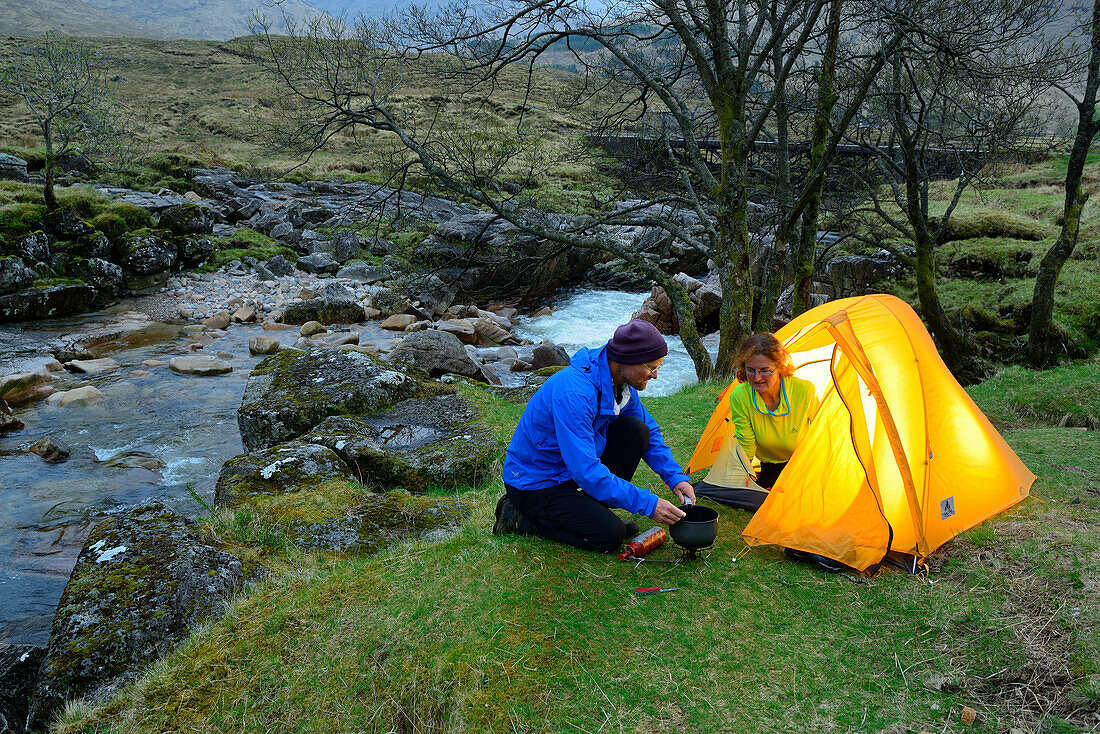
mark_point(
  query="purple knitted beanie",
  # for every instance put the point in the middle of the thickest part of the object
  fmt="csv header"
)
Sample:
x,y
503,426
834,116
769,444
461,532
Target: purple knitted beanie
x,y
636,342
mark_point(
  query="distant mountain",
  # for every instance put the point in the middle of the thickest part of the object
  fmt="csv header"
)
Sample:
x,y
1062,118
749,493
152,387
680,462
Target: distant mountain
x,y
207,19
71,18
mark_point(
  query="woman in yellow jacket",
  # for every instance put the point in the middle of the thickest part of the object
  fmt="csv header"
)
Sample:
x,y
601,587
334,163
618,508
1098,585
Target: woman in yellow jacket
x,y
771,407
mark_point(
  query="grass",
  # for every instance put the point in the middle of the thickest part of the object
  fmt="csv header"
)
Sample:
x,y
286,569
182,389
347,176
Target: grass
x,y
246,242
477,633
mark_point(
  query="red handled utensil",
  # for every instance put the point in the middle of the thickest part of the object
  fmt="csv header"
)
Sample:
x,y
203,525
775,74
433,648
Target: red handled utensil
x,y
654,590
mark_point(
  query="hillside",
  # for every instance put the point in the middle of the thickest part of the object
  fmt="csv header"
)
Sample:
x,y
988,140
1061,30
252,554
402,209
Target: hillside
x,y
210,19
72,18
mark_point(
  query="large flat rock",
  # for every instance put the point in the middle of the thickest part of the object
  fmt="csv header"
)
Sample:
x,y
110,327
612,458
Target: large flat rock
x,y
290,392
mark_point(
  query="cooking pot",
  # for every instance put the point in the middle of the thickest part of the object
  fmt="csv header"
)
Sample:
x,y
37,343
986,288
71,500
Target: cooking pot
x,y
697,529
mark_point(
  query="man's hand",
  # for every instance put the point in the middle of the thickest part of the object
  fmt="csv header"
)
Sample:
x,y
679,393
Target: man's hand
x,y
685,492
666,513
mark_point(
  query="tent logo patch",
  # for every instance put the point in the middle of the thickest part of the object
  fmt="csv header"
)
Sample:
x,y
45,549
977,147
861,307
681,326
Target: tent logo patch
x,y
947,508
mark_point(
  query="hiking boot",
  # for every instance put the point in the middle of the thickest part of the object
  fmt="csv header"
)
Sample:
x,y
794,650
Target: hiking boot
x,y
630,529
508,517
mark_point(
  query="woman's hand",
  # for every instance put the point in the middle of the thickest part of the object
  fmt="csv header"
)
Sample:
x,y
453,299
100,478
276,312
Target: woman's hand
x,y
685,492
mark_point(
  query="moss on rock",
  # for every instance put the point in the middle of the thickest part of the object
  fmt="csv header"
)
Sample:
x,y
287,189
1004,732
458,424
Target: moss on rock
x,y
291,392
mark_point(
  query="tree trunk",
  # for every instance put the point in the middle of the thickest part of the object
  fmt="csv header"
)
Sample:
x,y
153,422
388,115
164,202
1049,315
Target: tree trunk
x,y
733,258
772,274
826,100
49,170
1042,302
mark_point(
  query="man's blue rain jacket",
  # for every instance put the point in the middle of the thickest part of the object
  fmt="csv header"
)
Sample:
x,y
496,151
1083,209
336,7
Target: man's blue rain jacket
x,y
563,432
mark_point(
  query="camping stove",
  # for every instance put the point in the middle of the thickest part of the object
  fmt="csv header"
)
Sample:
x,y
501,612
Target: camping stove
x,y
690,554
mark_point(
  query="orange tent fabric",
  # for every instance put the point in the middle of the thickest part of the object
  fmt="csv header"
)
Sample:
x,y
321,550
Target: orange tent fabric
x,y
897,458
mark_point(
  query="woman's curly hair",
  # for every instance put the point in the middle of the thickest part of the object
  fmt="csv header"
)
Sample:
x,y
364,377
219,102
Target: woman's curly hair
x,y
765,345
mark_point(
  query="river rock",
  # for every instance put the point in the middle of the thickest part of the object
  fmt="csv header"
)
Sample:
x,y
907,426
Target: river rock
x,y
361,272
194,250
437,353
261,344
462,328
66,224
244,314
14,275
435,294
490,332
148,261
141,584
319,262
44,303
338,339
51,450
86,395
34,248
290,392
549,354
398,322
279,266
18,387
19,666
185,219
12,168
93,366
203,366
104,276
310,328
333,305
153,363
135,460
438,441
220,320
289,467
9,424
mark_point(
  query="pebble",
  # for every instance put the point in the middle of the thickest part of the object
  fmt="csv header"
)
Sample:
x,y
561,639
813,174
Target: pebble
x,y
968,716
153,363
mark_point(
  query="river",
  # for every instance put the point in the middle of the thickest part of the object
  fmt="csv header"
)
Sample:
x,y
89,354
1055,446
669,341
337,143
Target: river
x,y
187,423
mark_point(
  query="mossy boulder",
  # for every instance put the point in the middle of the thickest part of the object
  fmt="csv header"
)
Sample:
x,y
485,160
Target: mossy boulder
x,y
19,666
437,441
66,224
378,520
187,219
14,275
289,467
290,392
43,303
141,583
149,258
334,305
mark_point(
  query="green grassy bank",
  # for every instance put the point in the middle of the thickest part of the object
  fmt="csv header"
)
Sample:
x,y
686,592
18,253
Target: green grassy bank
x,y
475,633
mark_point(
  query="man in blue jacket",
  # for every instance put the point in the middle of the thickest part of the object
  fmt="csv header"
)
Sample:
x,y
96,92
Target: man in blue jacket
x,y
579,443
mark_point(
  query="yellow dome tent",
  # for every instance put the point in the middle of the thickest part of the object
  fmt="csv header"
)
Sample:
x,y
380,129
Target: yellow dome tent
x,y
897,458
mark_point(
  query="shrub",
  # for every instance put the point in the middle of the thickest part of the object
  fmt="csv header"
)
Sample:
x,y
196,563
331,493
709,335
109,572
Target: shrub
x,y
121,217
20,219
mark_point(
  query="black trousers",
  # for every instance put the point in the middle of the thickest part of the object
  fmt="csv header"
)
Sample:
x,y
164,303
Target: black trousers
x,y
769,473
567,514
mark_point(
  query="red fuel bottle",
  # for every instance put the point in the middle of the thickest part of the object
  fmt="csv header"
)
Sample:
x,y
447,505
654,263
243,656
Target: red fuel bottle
x,y
643,543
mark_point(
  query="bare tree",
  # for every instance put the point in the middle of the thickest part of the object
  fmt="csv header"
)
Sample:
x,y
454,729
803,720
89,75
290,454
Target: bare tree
x,y
1039,351
964,92
699,81
66,90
